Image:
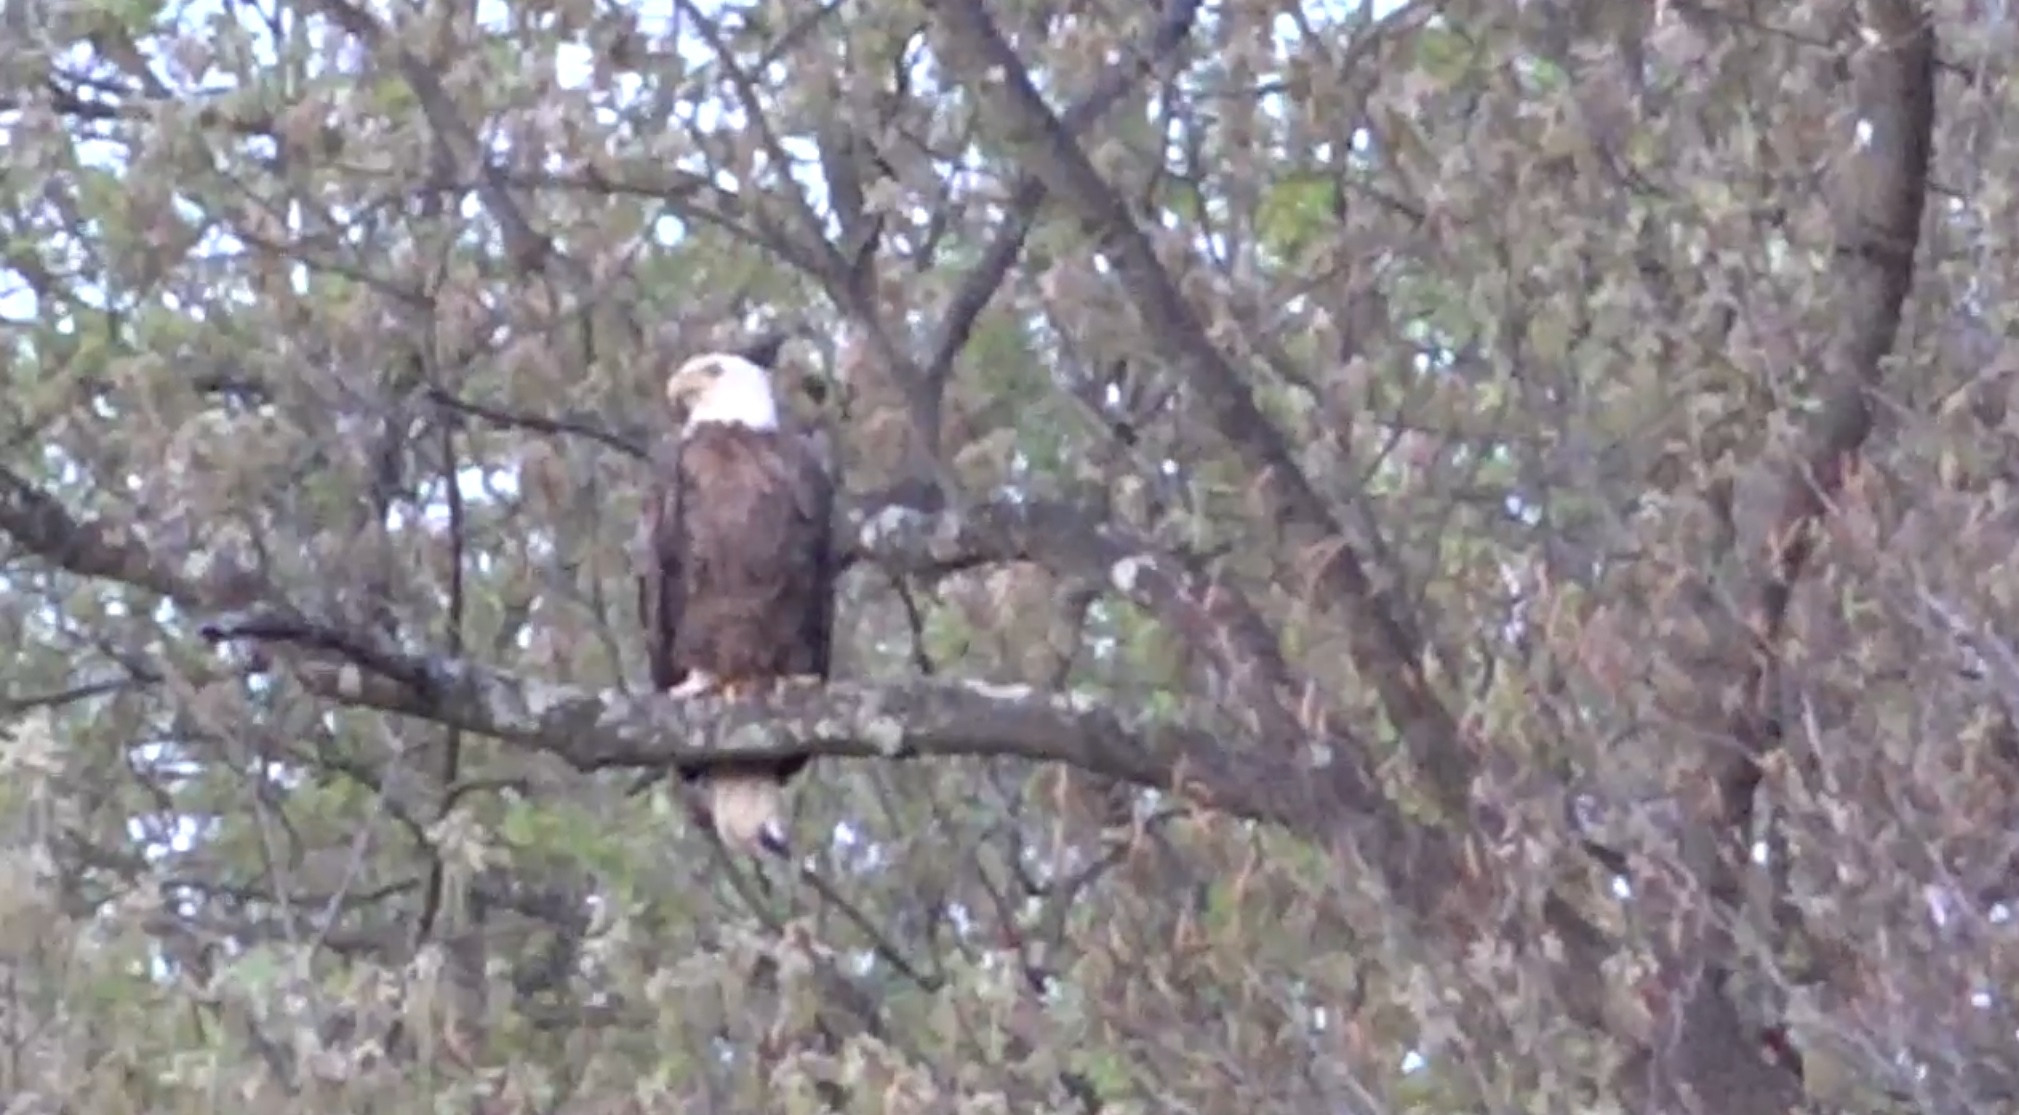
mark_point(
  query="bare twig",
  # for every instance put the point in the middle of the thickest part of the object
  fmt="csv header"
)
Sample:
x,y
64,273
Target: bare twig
x,y
628,442
979,285
529,250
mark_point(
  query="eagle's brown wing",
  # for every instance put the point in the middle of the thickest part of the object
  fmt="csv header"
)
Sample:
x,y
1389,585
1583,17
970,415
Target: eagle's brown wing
x,y
662,588
815,487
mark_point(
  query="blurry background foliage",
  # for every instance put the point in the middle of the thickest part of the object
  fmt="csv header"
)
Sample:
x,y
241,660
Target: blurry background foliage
x,y
1542,302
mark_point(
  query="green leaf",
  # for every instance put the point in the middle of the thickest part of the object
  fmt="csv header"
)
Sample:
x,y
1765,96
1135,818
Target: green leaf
x,y
1295,214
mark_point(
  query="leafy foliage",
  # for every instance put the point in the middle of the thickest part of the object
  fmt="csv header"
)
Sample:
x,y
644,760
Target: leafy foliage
x,y
1419,495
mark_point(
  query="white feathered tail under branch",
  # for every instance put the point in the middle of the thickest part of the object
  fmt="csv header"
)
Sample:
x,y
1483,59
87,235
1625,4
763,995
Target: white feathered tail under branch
x,y
748,809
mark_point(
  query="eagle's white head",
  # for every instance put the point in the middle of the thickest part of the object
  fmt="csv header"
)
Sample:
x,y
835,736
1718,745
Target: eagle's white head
x,y
725,388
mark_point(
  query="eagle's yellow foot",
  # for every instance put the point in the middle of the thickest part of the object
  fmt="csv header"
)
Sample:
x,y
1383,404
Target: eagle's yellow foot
x,y
801,681
739,690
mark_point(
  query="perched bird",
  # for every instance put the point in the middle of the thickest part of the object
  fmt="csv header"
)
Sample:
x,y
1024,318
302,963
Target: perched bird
x,y
738,594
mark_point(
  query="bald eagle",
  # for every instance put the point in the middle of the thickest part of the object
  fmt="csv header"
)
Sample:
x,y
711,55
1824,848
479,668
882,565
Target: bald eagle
x,y
738,592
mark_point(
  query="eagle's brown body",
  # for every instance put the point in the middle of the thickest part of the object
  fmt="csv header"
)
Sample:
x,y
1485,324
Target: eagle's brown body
x,y
740,581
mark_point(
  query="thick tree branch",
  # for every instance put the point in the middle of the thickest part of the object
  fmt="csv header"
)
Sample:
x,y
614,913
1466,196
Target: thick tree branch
x,y
1340,805
40,524
1385,643
1345,811
1884,191
899,538
611,728
1879,211
1879,222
